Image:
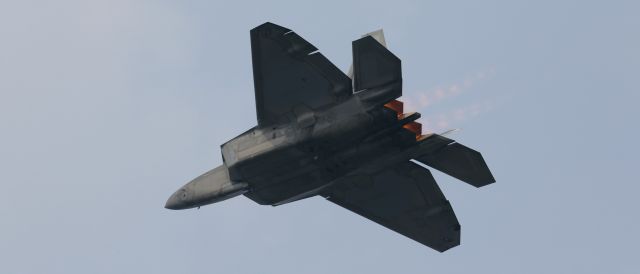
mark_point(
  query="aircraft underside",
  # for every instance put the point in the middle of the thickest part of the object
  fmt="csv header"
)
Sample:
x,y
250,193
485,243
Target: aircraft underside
x,y
343,137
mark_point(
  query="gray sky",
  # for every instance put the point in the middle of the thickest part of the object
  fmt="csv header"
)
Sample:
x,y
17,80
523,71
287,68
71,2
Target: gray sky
x,y
107,107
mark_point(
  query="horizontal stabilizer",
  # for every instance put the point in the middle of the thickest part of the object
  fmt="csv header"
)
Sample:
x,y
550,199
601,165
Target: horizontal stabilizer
x,y
460,162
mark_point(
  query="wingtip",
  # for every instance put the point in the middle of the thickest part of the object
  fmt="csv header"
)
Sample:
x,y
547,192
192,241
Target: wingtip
x,y
271,26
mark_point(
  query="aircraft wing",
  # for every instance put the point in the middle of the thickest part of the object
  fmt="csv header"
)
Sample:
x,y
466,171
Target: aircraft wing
x,y
405,199
290,77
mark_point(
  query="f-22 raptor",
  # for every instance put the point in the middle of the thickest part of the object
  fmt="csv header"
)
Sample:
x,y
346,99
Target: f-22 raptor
x,y
345,138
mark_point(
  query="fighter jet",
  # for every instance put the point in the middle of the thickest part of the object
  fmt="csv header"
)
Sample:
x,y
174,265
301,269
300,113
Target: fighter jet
x,y
344,138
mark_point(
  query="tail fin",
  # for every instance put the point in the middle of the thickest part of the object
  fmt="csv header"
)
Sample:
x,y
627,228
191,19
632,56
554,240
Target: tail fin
x,y
379,36
376,72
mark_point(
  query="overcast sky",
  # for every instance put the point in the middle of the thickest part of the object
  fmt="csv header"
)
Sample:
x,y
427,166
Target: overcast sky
x,y
107,107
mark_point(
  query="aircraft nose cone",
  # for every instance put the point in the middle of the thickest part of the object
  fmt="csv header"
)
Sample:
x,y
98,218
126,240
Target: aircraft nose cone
x,y
176,201
172,203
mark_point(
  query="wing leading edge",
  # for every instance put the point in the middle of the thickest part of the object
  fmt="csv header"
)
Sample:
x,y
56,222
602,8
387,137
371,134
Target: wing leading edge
x,y
405,199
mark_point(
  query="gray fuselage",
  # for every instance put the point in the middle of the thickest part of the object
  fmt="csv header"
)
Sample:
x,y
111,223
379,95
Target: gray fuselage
x,y
283,162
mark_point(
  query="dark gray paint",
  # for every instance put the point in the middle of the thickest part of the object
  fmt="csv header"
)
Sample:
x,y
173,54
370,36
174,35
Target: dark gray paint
x,y
318,136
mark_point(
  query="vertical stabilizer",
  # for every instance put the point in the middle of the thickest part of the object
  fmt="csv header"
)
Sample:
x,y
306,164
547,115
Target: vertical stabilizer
x,y
379,36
